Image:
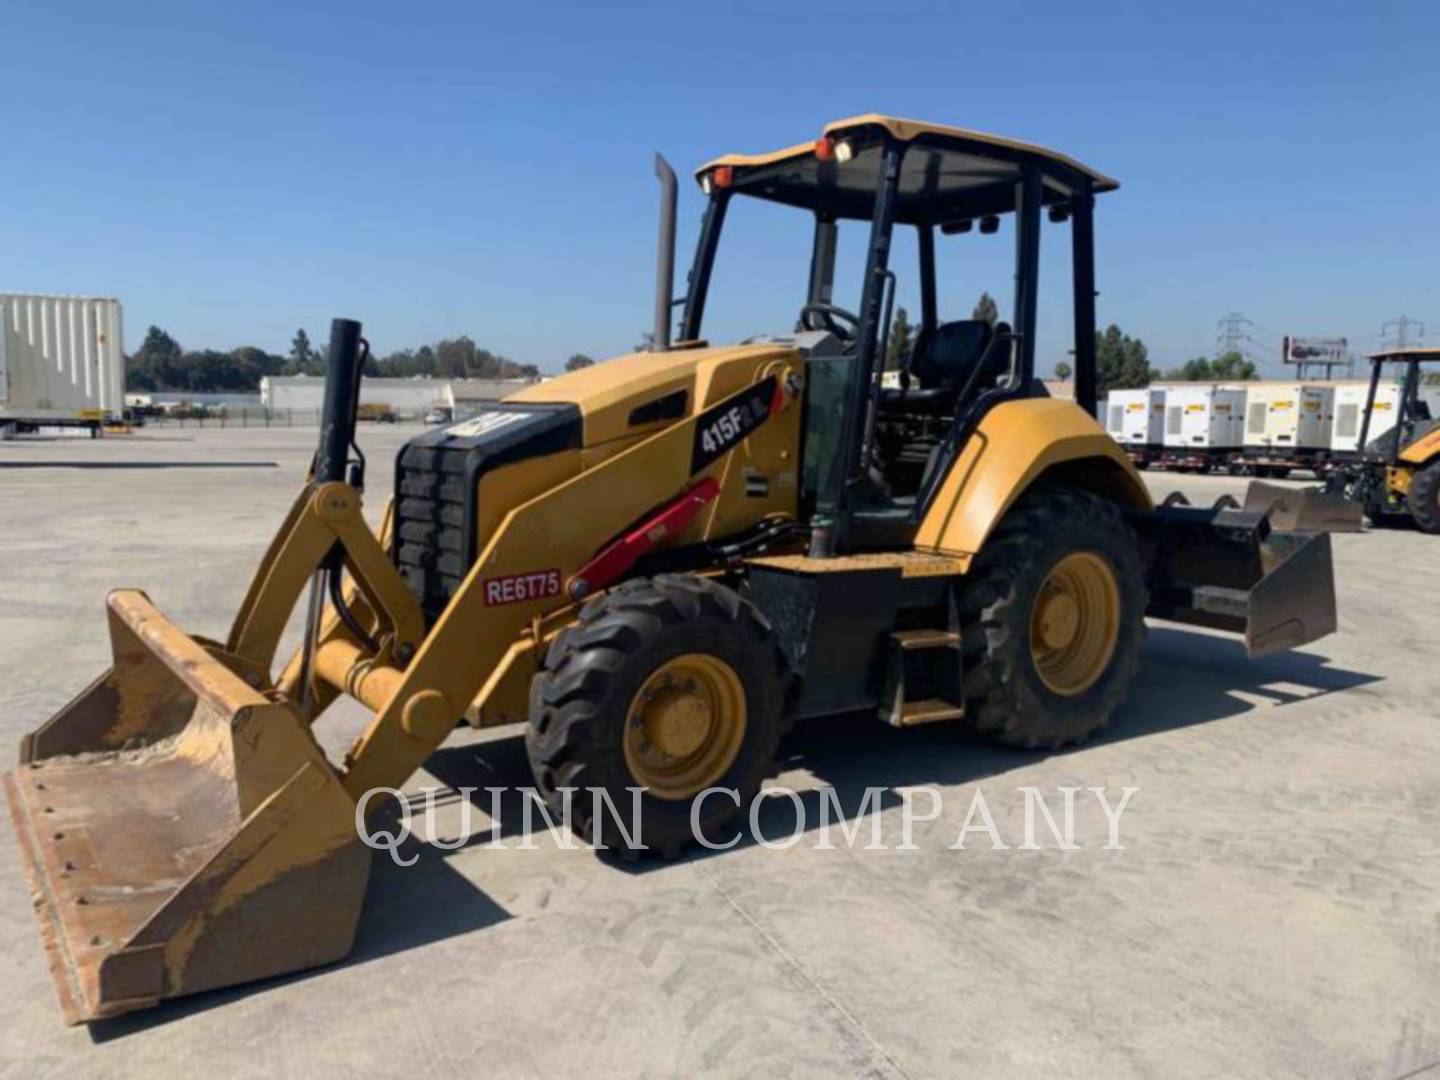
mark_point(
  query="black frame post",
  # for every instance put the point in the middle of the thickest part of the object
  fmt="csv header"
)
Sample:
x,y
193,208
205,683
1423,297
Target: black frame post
x,y
699,280
1409,401
831,511
1082,239
929,307
822,261
1027,270
1375,366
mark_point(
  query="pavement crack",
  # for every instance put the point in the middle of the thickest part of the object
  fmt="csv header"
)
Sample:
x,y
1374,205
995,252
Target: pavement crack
x,y
804,976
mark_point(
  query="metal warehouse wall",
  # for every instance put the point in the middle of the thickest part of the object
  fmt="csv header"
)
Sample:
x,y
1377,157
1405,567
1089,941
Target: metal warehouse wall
x,y
282,392
60,353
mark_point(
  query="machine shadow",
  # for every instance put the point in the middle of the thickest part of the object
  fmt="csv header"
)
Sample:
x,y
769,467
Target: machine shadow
x,y
1185,679
450,904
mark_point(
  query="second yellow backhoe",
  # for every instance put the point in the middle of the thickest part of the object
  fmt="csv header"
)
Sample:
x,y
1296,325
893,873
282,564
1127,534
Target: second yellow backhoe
x,y
656,565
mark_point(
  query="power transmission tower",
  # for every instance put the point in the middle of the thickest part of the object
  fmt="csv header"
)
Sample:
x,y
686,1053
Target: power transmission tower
x,y
1401,333
1232,334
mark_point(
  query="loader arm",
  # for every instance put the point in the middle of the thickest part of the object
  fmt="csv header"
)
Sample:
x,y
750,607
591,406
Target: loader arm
x,y
417,707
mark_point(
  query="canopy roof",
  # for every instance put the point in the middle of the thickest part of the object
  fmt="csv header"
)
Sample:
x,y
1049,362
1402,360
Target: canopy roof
x,y
1422,355
948,174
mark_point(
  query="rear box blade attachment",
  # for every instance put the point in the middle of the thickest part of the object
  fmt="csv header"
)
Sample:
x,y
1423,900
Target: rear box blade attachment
x,y
1304,510
1229,570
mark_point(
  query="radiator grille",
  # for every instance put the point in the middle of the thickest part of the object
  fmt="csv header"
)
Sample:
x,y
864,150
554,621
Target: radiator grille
x,y
437,482
431,524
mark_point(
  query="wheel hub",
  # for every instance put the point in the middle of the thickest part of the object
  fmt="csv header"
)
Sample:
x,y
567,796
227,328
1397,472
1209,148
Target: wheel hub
x,y
677,720
1075,623
685,726
1059,619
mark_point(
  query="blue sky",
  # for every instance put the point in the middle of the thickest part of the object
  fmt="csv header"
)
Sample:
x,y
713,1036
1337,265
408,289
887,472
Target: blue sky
x,y
234,171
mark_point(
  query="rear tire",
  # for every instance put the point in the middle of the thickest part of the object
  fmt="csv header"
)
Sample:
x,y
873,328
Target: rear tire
x,y
1007,696
595,674
1424,498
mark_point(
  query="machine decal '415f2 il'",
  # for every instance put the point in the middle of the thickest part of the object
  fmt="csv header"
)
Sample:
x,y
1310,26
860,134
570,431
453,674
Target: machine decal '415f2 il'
x,y
720,427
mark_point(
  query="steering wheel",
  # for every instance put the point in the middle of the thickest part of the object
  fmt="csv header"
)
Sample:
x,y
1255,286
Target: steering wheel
x,y
843,324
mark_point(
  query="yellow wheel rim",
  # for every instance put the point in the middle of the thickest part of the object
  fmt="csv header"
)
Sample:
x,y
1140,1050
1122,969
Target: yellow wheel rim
x,y
685,726
1075,623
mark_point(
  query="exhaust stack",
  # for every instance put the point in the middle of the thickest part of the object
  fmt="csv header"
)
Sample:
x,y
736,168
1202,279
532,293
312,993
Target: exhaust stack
x,y
665,255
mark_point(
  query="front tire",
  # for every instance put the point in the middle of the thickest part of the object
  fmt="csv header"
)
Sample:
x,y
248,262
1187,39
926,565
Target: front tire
x,y
1053,616
674,684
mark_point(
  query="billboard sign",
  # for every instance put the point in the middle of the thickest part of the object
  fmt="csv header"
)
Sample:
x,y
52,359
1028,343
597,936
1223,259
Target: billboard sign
x,y
1317,350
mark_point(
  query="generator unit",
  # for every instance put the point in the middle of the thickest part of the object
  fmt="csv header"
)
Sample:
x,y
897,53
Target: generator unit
x,y
1136,420
1287,426
1204,426
1350,415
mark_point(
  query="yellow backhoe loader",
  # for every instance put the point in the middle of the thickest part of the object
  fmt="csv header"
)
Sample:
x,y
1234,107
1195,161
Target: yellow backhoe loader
x,y
657,564
1394,476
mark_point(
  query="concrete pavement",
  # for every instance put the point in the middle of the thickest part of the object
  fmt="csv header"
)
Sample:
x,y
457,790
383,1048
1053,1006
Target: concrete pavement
x,y
1273,912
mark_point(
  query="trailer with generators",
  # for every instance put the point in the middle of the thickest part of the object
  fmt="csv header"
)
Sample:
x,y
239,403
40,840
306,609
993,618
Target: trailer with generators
x,y
1287,427
1204,427
1136,420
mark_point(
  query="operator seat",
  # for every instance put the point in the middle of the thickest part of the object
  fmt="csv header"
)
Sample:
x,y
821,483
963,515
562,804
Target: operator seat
x,y
942,363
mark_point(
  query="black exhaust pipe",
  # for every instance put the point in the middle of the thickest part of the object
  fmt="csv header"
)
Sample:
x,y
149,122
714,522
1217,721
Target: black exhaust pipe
x,y
665,255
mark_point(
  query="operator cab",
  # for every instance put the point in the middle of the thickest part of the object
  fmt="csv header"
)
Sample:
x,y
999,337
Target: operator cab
x,y
1416,418
877,444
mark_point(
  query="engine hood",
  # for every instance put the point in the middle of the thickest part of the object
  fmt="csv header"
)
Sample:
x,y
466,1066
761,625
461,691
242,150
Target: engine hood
x,y
613,395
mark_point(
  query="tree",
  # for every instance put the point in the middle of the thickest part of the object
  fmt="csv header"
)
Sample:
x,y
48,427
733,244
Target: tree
x,y
578,361
156,364
1229,367
902,340
986,309
454,358
1121,362
1233,366
304,358
1062,371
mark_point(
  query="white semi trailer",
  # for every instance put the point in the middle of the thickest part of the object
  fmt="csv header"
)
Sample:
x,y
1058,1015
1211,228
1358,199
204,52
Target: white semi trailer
x,y
61,362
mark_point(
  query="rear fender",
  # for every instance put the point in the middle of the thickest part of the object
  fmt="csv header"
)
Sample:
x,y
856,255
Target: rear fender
x,y
1018,444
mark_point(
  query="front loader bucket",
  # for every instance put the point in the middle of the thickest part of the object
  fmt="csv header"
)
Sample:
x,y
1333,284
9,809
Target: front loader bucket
x,y
1307,510
181,830
1229,570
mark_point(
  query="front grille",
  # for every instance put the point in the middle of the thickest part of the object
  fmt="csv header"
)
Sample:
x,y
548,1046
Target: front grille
x,y
437,481
431,520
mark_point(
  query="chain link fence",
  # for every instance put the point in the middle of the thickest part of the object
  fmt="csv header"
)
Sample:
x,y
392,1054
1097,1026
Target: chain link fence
x,y
258,416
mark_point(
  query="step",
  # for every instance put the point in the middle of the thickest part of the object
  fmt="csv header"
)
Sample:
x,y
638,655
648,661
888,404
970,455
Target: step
x,y
925,639
929,711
